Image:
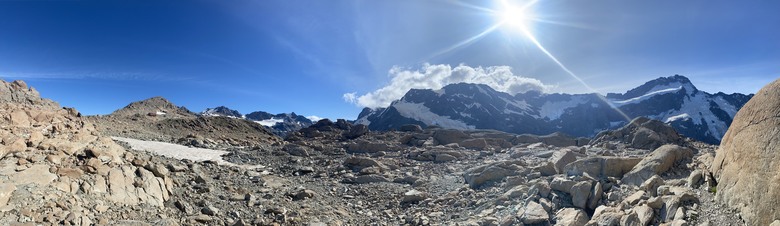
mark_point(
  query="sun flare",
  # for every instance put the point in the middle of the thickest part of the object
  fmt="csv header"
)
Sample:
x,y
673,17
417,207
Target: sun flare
x,y
515,16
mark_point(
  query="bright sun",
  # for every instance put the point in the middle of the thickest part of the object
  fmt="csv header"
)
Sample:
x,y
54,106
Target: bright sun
x,y
516,17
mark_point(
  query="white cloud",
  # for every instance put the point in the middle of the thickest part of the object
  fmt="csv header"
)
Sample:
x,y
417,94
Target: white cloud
x,y
314,118
437,76
350,97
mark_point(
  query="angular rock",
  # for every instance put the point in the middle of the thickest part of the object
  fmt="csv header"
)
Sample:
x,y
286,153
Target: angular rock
x,y
413,196
603,166
580,193
657,162
303,194
480,175
371,178
36,174
633,199
6,189
359,163
669,209
651,185
596,194
534,213
546,169
444,157
561,158
571,217
630,219
696,179
476,143
645,214
562,184
449,136
558,139
410,128
362,146
356,131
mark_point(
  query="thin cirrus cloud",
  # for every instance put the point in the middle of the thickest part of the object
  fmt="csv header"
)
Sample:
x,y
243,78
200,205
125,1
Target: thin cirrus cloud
x,y
118,76
437,76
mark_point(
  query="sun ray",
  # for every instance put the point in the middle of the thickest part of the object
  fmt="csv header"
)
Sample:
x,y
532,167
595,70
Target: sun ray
x,y
571,73
466,41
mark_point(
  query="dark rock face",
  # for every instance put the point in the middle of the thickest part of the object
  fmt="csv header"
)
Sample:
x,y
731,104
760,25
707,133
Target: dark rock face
x,y
672,100
282,124
221,111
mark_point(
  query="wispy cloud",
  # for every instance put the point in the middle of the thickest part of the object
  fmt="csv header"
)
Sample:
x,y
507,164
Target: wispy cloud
x,y
118,76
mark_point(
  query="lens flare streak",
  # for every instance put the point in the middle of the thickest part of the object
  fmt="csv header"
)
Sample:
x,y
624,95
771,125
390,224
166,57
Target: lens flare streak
x,y
536,42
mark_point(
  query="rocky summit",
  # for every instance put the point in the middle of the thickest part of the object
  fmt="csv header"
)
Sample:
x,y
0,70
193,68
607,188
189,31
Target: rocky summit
x,y
61,168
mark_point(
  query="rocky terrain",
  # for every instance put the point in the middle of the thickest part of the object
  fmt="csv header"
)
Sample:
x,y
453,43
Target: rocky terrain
x,y
279,124
160,120
61,168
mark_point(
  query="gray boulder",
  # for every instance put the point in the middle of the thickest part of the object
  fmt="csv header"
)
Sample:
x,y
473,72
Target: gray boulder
x,y
561,158
534,213
657,162
478,176
449,136
602,166
571,217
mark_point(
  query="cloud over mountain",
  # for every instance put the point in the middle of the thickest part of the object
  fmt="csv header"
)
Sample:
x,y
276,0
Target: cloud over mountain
x,y
437,76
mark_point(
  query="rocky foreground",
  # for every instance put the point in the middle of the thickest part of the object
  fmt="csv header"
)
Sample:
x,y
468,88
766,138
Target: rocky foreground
x,y
58,168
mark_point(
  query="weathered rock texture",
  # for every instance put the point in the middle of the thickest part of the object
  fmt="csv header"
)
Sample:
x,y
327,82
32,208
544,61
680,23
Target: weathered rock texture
x,y
54,168
747,164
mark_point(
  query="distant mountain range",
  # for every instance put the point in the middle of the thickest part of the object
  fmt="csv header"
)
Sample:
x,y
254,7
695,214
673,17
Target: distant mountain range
x,y
673,100
280,124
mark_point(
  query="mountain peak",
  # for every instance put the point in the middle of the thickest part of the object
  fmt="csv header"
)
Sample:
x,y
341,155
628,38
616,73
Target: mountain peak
x,y
656,85
153,105
221,111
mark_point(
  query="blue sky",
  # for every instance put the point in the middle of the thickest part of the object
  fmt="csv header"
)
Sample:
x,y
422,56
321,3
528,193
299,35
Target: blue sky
x,y
304,56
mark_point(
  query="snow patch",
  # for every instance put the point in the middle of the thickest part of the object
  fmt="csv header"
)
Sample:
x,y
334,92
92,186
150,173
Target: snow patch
x,y
270,122
363,121
682,116
180,151
420,112
648,95
553,110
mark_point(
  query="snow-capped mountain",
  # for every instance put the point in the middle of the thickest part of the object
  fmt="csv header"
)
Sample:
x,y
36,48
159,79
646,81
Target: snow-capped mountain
x,y
280,124
674,100
221,111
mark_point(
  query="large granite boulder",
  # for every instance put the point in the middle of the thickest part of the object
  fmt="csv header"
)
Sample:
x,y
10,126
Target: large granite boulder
x,y
747,164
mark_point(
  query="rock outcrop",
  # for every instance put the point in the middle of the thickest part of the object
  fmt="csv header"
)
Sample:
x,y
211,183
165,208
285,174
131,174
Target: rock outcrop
x,y
747,164
659,161
53,161
641,133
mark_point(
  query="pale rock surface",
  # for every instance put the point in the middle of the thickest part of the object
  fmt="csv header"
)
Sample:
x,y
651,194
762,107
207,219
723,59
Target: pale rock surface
x,y
747,164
